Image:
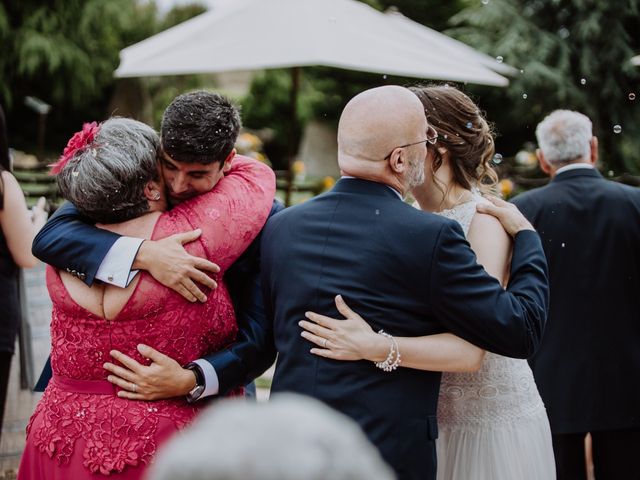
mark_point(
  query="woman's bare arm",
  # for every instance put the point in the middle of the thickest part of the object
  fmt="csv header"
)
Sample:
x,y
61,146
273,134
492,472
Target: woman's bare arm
x,y
18,227
492,246
353,339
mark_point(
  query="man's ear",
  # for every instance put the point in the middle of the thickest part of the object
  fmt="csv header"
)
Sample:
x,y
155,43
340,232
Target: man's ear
x,y
594,149
544,165
398,161
226,166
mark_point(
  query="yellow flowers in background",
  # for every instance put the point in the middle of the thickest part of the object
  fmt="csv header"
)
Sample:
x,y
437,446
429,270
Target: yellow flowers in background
x,y
506,187
250,145
327,183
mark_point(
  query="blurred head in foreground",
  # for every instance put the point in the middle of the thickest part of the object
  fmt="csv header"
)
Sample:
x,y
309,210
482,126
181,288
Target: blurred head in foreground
x,y
288,438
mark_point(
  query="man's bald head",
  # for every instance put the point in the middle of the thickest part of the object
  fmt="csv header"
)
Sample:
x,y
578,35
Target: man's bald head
x,y
376,121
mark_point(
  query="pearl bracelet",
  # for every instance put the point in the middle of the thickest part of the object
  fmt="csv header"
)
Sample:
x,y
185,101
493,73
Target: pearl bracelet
x,y
390,364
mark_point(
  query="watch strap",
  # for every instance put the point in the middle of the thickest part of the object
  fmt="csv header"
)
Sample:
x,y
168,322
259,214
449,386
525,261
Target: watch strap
x,y
198,390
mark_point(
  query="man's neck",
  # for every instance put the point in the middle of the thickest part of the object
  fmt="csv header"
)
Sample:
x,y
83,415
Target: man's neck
x,y
394,189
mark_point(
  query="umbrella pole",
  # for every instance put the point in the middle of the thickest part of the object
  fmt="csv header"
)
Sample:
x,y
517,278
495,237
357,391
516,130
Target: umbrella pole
x,y
293,137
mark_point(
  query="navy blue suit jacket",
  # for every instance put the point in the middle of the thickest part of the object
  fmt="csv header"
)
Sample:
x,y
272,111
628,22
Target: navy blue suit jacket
x,y
589,358
405,271
69,241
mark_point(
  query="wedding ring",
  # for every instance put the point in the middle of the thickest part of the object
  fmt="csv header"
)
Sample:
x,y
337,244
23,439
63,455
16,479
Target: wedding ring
x,y
133,387
324,343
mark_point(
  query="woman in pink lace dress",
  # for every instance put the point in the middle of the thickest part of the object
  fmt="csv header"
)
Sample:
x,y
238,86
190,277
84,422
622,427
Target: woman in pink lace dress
x,y
81,429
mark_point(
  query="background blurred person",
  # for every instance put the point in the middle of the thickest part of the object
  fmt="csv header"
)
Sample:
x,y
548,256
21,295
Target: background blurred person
x,y
290,437
19,227
589,361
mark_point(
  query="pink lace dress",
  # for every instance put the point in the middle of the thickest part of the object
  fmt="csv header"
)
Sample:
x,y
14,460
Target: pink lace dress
x,y
81,429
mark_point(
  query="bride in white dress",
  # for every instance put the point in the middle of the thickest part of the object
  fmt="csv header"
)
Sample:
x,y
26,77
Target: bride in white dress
x,y
492,422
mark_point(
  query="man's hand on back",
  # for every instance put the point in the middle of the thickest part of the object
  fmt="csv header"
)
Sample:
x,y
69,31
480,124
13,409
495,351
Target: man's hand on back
x,y
510,217
164,378
169,263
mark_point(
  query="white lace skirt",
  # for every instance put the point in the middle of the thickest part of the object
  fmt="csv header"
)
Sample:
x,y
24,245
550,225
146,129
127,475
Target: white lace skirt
x,y
493,425
520,451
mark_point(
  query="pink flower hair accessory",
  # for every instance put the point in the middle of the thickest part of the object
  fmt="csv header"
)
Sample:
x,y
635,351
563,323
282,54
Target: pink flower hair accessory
x,y
79,141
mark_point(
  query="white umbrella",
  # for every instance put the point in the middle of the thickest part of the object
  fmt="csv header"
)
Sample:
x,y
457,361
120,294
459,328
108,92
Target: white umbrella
x,y
435,40
258,34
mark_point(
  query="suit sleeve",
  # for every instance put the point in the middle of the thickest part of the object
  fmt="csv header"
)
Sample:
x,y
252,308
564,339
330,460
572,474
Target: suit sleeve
x,y
70,241
473,305
254,350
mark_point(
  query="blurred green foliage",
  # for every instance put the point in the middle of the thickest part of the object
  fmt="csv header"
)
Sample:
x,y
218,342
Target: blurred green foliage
x,y
572,54
65,52
324,91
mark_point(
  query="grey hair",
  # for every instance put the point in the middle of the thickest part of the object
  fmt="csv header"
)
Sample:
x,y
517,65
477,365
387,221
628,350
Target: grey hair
x,y
290,437
106,180
564,136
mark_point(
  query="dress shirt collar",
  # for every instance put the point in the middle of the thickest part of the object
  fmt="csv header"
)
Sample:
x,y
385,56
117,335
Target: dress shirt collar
x,y
574,166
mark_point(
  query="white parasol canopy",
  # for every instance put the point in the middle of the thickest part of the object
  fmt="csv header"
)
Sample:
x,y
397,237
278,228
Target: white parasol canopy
x,y
435,40
260,34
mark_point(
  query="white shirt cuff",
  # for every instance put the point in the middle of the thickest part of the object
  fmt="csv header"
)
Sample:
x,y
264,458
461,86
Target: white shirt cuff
x,y
115,268
211,383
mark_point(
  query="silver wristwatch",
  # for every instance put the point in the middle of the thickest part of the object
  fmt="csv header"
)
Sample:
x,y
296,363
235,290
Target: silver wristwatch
x,y
198,390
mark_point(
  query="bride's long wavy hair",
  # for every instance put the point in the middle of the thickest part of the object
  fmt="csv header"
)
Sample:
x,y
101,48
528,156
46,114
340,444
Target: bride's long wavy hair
x,y
464,132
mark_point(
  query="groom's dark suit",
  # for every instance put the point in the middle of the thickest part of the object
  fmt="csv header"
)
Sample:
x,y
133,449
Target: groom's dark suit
x,y
408,272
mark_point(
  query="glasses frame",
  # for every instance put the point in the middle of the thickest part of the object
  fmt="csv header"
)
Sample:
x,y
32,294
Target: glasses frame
x,y
430,139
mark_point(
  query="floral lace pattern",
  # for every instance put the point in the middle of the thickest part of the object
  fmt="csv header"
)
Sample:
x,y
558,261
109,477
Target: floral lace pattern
x,y
502,391
103,432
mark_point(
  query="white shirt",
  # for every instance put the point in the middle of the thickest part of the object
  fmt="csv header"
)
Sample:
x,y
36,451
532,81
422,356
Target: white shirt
x,y
574,166
115,268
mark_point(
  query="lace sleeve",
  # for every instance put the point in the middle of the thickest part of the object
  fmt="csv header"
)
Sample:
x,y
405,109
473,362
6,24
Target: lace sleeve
x,y
233,213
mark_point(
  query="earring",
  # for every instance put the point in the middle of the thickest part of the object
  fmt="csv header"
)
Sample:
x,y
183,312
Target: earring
x,y
156,196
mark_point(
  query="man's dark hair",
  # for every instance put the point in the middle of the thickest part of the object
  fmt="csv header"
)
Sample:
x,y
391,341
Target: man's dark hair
x,y
200,127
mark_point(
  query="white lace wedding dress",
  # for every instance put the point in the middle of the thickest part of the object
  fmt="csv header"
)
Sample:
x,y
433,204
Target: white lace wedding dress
x,y
492,423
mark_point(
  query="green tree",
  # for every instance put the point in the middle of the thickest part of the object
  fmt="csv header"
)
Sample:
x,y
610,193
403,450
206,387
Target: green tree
x,y
433,14
65,52
571,54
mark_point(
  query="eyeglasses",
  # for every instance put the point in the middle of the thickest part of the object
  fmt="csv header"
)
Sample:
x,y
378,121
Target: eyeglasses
x,y
432,138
